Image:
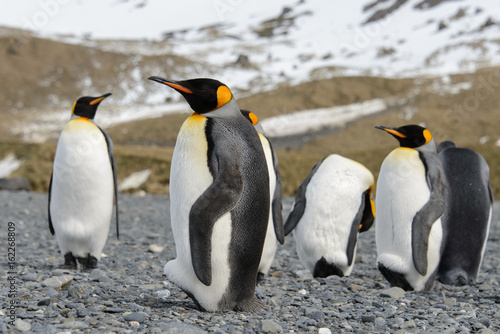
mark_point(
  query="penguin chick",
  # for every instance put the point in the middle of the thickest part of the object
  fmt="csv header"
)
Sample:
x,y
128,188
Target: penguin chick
x,y
467,217
219,198
275,232
332,205
83,187
410,201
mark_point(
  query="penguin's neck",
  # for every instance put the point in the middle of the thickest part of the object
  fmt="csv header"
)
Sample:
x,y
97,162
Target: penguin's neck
x,y
73,116
429,147
229,110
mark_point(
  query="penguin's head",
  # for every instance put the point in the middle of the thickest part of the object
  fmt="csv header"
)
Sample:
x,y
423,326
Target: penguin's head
x,y
203,95
87,106
411,136
250,116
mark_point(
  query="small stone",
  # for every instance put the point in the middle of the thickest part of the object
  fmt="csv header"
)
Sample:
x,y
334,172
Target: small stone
x,y
179,328
270,326
134,323
155,248
162,294
379,322
59,272
368,318
485,331
277,273
485,321
104,279
29,277
356,287
324,330
73,325
21,325
408,324
95,274
450,302
394,292
389,313
44,302
57,282
302,292
114,310
136,316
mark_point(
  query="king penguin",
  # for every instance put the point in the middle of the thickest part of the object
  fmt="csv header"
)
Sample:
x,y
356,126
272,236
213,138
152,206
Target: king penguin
x,y
467,217
332,205
275,231
219,200
410,201
83,187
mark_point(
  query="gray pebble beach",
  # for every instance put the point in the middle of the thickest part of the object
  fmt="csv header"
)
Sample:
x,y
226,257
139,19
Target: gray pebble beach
x,y
129,294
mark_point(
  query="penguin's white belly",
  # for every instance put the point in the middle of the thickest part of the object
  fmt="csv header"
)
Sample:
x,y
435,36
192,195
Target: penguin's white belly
x,y
189,178
402,191
333,198
82,190
270,243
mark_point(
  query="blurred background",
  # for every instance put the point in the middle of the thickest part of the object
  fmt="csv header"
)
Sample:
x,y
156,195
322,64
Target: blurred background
x,y
318,74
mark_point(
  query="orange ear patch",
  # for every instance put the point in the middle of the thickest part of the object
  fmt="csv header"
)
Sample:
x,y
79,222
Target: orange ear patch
x,y
253,118
224,95
427,136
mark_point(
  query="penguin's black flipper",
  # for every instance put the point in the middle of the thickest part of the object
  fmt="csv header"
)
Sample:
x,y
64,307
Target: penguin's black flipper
x,y
300,201
277,203
361,222
369,212
430,212
220,197
51,228
115,180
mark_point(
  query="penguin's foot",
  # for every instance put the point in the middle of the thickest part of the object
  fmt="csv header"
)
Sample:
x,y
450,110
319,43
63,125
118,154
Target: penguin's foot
x,y
324,269
260,277
69,261
396,279
250,305
88,263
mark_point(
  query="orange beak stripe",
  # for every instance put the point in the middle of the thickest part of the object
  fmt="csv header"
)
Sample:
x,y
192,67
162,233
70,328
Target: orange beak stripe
x,y
97,100
179,87
396,133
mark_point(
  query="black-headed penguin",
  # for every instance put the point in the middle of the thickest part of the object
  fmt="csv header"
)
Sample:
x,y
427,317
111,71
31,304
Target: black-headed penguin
x,y
467,217
219,200
83,187
275,232
332,205
410,201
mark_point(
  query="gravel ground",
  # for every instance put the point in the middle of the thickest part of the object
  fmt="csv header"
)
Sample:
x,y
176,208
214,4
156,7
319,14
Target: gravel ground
x,y
128,294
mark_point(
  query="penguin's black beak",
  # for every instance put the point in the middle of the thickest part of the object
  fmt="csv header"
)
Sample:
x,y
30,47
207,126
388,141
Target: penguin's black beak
x,y
98,100
392,131
174,84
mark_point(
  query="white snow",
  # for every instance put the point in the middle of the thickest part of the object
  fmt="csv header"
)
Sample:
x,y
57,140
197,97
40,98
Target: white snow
x,y
9,164
321,118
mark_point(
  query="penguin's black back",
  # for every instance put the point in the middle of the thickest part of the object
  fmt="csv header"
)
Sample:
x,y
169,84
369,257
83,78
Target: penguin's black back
x,y
466,218
250,215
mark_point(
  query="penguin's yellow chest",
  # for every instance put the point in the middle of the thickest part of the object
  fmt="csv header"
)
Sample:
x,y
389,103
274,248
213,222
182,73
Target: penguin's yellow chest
x,y
405,163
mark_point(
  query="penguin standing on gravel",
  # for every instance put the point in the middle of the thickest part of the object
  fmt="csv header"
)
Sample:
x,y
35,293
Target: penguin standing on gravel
x,y
333,204
83,187
275,231
219,200
410,201
467,216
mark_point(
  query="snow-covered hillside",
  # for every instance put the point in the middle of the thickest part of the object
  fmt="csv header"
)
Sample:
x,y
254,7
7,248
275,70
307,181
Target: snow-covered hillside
x,y
254,46
257,44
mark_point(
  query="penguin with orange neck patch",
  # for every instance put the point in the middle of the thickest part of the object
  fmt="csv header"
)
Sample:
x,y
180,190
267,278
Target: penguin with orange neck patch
x,y
83,187
219,200
410,201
